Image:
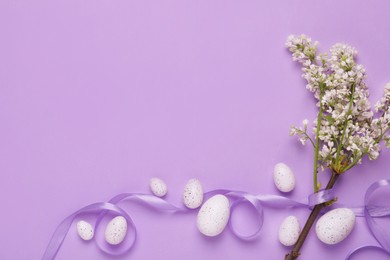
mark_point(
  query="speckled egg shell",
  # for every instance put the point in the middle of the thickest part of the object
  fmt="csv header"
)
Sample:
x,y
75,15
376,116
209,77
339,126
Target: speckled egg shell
x,y
193,194
214,215
334,226
85,230
158,187
284,177
116,230
289,231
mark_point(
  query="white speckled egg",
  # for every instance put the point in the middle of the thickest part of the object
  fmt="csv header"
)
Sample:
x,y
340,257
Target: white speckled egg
x,y
158,187
85,230
193,194
334,226
116,230
284,177
214,215
289,231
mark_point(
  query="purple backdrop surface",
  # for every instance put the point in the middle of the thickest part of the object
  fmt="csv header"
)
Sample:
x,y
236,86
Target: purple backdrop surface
x,y
96,97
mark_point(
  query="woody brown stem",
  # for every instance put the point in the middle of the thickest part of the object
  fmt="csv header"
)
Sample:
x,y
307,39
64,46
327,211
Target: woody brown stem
x,y
310,221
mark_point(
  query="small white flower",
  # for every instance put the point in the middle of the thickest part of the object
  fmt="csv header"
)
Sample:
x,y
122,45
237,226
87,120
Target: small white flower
x,y
303,140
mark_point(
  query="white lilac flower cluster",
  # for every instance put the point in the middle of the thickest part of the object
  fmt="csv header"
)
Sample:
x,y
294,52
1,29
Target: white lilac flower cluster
x,y
382,124
347,130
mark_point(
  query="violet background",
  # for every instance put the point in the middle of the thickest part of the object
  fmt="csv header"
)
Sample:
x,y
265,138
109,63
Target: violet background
x,y
97,97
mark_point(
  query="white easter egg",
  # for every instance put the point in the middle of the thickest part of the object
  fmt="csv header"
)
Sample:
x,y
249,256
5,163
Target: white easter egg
x,y
289,231
85,230
334,226
193,194
116,230
214,215
284,177
158,187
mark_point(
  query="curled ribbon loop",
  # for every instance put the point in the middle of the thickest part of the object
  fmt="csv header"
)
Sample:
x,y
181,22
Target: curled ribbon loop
x,y
379,234
63,228
239,197
371,211
255,203
364,248
123,247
